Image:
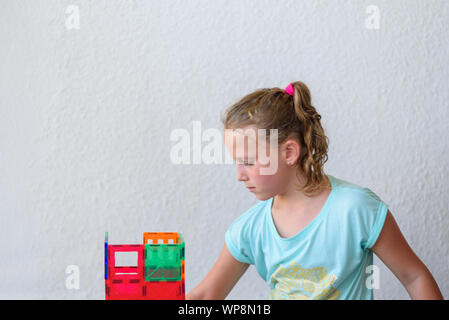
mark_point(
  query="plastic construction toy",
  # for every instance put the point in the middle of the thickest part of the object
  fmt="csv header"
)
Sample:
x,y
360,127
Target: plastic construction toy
x,y
158,275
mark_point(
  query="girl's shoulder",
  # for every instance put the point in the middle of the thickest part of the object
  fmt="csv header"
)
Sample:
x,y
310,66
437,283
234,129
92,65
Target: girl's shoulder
x,y
358,205
361,210
254,212
346,190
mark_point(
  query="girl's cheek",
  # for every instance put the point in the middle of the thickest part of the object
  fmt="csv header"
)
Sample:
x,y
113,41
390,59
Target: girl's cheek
x,y
261,177
263,171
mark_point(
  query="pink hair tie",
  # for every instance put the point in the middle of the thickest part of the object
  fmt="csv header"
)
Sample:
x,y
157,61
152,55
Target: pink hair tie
x,y
290,90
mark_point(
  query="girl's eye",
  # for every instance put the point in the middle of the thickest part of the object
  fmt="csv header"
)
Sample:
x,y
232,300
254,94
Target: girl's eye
x,y
246,164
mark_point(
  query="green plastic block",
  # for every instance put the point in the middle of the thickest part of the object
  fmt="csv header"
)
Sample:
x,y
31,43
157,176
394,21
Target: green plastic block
x,y
163,262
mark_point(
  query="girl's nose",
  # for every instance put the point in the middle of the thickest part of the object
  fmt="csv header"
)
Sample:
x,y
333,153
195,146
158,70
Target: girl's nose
x,y
241,174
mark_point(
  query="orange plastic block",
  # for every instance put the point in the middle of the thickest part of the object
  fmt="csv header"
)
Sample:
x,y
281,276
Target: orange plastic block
x,y
164,236
183,275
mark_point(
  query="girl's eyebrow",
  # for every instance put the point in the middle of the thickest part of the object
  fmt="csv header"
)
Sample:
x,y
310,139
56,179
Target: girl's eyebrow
x,y
248,159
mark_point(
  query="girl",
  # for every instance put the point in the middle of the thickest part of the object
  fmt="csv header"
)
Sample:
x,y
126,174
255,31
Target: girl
x,y
311,235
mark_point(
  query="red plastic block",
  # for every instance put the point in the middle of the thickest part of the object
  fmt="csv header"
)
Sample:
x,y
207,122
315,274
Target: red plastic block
x,y
128,282
129,289
165,290
126,272
125,282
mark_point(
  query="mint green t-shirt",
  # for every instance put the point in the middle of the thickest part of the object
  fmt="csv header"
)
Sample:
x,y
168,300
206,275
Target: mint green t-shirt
x,y
328,259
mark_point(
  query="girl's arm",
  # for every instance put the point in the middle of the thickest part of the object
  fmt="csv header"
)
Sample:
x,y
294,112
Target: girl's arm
x,y
221,278
392,248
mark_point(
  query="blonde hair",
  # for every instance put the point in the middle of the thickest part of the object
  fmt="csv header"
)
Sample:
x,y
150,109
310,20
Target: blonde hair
x,y
294,117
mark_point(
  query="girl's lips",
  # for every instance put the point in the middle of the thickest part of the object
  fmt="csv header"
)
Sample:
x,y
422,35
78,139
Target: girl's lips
x,y
250,188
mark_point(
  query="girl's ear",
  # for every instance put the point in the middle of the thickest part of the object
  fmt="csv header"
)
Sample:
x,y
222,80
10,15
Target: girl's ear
x,y
291,152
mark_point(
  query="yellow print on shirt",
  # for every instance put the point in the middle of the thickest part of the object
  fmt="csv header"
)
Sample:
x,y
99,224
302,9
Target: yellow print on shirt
x,y
296,283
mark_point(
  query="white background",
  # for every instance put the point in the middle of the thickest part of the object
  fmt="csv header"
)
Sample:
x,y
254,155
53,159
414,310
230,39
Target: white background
x,y
86,115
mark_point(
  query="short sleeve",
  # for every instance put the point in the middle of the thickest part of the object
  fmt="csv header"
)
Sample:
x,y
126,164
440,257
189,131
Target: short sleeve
x,y
238,240
374,213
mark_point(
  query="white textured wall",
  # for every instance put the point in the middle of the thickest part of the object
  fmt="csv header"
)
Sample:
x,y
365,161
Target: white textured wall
x,y
86,115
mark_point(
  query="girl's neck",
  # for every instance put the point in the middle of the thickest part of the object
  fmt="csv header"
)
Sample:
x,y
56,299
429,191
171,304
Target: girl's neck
x,y
294,200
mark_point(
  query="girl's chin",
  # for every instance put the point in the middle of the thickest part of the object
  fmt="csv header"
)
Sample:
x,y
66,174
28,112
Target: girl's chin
x,y
261,197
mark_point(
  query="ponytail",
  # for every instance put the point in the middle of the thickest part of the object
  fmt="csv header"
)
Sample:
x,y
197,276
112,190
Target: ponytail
x,y
314,141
